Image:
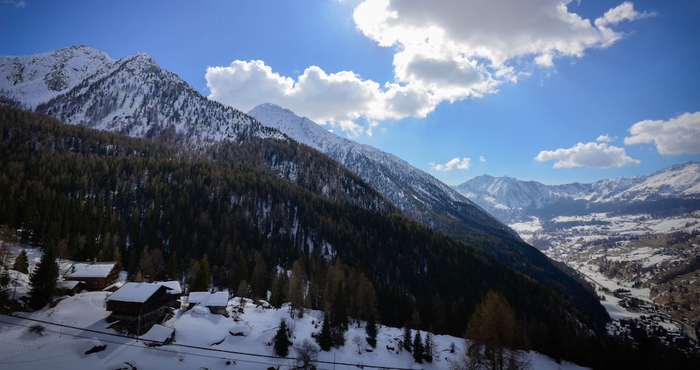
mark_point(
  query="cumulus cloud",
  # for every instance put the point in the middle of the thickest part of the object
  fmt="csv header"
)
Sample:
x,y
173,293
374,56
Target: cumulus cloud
x,y
678,135
606,138
595,155
453,164
482,159
446,50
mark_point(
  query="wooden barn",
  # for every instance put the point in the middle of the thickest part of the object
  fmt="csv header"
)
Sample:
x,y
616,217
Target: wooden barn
x,y
95,276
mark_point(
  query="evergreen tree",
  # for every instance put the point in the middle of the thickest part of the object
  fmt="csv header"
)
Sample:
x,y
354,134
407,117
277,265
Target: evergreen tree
x,y
281,339
339,317
43,279
201,278
339,313
371,331
324,338
172,271
418,347
407,338
21,264
429,347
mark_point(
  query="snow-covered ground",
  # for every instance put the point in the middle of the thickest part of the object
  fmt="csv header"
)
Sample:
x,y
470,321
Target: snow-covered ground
x,y
202,340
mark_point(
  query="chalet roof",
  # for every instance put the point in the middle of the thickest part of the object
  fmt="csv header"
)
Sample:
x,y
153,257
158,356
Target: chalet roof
x,y
158,333
135,292
218,299
174,285
89,270
68,284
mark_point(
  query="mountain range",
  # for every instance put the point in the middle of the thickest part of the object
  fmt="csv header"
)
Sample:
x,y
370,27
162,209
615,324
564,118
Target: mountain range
x,y
512,200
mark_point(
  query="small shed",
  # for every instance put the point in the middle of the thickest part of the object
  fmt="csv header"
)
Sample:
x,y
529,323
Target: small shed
x,y
96,276
215,302
69,287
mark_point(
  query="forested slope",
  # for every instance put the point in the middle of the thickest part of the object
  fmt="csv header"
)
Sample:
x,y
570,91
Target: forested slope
x,y
160,210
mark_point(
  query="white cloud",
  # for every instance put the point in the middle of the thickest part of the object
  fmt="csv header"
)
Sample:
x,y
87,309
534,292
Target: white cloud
x,y
453,164
482,159
596,155
446,50
678,135
606,138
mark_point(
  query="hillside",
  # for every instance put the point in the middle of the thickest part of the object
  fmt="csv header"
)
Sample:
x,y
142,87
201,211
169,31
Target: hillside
x,y
431,202
134,96
109,195
239,340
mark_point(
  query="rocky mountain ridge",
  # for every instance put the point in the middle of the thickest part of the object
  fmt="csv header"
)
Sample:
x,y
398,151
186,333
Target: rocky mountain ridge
x,y
512,200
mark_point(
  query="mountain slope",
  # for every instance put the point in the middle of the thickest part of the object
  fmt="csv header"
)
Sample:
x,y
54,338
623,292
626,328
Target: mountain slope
x,y
415,192
96,194
431,202
136,97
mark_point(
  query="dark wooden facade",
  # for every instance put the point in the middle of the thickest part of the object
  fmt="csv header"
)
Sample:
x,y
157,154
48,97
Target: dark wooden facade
x,y
159,299
98,281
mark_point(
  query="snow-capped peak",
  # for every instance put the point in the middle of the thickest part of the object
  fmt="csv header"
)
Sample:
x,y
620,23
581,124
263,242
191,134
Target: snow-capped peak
x,y
35,79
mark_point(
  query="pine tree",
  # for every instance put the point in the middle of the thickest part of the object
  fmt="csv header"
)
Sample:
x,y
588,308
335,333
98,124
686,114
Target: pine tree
x,y
281,339
407,338
371,331
339,317
201,278
429,347
43,279
21,263
418,347
324,338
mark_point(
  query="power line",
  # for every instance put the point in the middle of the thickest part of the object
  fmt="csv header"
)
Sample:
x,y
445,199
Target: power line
x,y
187,346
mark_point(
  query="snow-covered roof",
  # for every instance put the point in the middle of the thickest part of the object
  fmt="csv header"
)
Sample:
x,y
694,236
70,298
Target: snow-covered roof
x,y
68,284
89,270
135,292
174,285
158,333
218,299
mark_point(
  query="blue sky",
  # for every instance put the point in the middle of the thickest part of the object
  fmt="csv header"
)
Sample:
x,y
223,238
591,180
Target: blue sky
x,y
548,90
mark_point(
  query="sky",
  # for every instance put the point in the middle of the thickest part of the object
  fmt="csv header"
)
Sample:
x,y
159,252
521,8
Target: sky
x,y
555,91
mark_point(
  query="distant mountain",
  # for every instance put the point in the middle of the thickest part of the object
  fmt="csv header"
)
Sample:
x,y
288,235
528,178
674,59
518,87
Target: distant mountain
x,y
512,200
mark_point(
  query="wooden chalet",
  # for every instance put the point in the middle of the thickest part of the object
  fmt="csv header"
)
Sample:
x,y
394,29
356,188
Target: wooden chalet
x,y
139,304
95,276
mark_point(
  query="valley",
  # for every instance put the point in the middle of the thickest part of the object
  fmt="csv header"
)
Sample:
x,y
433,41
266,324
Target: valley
x,y
639,246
